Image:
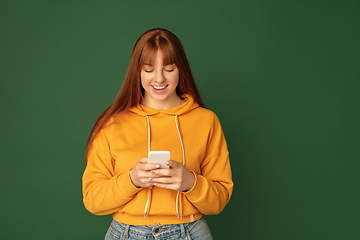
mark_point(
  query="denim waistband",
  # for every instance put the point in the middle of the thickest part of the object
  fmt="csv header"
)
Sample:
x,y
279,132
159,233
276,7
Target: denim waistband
x,y
156,230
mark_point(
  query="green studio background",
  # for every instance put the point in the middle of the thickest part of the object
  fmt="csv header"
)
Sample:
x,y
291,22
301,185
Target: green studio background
x,y
283,77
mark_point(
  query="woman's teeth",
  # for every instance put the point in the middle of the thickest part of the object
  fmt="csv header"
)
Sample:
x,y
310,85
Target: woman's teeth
x,y
158,87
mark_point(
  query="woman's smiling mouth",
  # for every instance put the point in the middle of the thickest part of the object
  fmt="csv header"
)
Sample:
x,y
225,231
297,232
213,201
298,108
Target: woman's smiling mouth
x,y
159,87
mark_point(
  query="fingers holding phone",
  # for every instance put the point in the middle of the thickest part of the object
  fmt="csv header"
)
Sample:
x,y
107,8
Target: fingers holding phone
x,y
141,175
158,170
176,177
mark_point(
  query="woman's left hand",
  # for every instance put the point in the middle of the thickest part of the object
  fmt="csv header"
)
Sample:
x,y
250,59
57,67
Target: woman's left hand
x,y
177,177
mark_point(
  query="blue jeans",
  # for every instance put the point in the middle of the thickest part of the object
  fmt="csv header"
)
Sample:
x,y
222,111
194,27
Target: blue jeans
x,y
197,230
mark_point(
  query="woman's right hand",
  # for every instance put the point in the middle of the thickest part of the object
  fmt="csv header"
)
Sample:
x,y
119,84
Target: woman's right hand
x,y
141,175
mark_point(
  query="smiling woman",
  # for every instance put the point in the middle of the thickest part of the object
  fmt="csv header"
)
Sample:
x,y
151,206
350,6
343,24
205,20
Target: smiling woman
x,y
159,83
158,108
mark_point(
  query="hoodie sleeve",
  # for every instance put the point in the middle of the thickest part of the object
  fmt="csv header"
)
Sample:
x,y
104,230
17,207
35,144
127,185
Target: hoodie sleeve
x,y
105,193
213,186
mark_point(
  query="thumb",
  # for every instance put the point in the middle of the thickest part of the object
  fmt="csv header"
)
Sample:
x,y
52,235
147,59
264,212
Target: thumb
x,y
144,160
173,164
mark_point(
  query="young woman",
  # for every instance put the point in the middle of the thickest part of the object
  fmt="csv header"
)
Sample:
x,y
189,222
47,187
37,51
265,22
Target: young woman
x,y
158,108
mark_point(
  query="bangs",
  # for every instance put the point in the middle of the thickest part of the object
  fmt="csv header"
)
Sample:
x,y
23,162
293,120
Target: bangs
x,y
150,50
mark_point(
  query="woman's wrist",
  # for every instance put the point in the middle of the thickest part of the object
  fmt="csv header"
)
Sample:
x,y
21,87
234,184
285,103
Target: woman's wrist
x,y
191,181
131,178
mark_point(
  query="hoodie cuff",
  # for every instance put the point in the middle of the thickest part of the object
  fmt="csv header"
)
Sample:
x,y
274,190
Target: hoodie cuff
x,y
196,192
125,185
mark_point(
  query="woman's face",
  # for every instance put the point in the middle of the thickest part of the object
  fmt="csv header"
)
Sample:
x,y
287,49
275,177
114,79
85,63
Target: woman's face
x,y
159,83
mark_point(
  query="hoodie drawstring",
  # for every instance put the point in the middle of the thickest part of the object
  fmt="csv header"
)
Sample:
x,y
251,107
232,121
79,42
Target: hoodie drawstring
x,y
179,194
147,206
181,142
179,209
148,124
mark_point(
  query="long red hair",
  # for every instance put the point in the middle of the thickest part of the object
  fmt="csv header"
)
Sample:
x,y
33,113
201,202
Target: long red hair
x,y
144,51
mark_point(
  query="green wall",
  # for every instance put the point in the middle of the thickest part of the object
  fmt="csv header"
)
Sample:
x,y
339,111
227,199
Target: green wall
x,y
283,77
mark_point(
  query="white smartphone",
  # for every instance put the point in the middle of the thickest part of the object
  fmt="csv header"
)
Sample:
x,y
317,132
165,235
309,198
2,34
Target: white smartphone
x,y
159,157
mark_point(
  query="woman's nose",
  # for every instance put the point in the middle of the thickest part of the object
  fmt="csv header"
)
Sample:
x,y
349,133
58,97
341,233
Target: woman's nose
x,y
159,76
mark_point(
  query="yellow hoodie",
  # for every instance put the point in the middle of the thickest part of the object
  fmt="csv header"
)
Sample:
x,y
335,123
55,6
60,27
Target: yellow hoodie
x,y
194,137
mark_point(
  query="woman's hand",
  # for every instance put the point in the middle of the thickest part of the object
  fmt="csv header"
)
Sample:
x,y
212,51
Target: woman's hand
x,y
142,175
177,178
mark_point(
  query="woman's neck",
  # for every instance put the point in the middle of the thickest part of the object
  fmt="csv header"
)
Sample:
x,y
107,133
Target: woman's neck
x,y
161,105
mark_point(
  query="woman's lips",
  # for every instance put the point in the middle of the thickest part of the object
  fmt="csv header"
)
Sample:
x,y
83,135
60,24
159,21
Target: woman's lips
x,y
159,88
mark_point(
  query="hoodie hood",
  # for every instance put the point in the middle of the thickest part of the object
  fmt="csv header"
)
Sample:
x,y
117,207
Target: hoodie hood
x,y
182,109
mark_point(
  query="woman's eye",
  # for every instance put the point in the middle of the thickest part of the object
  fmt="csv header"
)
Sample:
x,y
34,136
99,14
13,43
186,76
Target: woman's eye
x,y
148,71
169,70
